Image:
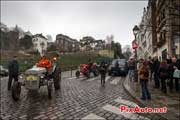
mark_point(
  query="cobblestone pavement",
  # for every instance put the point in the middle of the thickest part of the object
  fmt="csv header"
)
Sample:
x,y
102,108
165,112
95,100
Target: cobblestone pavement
x,y
77,99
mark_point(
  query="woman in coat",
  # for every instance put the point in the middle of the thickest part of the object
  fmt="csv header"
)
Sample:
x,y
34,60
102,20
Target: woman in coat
x,y
143,76
163,75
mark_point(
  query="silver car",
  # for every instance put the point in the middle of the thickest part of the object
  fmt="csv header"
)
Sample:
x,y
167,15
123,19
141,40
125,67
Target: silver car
x,y
3,71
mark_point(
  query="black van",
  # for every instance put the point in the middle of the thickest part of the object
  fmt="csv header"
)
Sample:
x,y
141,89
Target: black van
x,y
118,67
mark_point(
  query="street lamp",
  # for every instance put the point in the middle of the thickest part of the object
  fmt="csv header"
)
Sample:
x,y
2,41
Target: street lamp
x,y
135,46
135,30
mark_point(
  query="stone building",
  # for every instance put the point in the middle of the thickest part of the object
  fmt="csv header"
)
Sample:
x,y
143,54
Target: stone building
x,y
89,43
159,33
75,45
144,37
167,28
13,39
40,43
4,44
66,44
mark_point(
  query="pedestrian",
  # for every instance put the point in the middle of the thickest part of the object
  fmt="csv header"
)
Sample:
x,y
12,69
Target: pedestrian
x,y
131,67
94,69
13,71
150,62
102,70
141,61
163,75
155,66
175,65
90,64
143,76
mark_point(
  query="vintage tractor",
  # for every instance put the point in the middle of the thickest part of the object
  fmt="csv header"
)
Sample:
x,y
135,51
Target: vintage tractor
x,y
36,77
86,70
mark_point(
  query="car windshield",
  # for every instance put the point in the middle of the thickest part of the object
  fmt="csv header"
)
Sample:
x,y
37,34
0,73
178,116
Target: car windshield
x,y
121,62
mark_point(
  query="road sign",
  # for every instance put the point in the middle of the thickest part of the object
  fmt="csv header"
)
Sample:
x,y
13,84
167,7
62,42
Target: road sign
x,y
134,44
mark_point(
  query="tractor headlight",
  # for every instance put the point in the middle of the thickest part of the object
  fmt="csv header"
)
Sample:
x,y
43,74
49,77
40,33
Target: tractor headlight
x,y
41,76
21,77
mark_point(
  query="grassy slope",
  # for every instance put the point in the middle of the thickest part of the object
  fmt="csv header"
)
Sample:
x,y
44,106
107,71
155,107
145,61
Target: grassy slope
x,y
66,61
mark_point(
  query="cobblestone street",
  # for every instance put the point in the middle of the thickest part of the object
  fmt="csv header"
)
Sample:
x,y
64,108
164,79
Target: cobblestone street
x,y
77,99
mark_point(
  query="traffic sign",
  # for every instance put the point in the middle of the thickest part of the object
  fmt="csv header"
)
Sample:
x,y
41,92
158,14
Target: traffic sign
x,y
134,44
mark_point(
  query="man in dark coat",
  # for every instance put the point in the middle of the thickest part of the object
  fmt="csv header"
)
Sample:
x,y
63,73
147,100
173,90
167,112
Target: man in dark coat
x,y
13,71
102,70
150,62
156,65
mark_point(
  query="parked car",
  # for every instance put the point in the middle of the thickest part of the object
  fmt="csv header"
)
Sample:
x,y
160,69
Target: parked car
x,y
3,71
118,67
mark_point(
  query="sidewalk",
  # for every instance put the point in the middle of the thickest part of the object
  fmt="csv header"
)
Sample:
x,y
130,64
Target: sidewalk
x,y
158,99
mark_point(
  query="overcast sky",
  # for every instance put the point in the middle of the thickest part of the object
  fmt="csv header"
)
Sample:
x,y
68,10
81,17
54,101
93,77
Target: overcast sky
x,y
75,18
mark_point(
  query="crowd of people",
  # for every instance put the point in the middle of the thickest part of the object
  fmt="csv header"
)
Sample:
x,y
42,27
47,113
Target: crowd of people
x,y
164,73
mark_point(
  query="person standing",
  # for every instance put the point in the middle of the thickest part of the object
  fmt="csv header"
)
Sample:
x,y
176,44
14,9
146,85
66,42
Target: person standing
x,y
143,76
163,75
13,71
102,70
156,65
150,62
131,66
175,64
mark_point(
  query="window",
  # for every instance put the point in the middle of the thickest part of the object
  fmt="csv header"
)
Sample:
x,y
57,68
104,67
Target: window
x,y
164,54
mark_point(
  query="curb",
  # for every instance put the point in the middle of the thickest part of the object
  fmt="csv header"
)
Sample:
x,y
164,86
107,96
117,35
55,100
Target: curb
x,y
140,102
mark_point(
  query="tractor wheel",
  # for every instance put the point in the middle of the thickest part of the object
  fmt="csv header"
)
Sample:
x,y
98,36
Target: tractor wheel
x,y
109,73
16,90
77,74
56,78
49,87
88,74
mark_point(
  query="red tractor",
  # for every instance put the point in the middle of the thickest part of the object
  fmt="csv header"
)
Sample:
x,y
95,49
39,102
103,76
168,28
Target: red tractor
x,y
86,70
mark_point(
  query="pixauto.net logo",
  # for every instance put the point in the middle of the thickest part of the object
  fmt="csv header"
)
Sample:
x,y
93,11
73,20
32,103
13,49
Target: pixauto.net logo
x,y
137,109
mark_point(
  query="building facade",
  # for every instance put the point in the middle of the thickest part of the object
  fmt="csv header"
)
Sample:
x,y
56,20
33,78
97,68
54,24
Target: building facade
x,y
40,43
159,33
89,43
144,36
167,28
66,44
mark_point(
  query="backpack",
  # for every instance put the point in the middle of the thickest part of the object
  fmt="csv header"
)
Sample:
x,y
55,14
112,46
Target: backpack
x,y
146,73
164,73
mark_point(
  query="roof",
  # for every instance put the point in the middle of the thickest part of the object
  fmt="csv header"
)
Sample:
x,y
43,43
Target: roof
x,y
28,33
40,35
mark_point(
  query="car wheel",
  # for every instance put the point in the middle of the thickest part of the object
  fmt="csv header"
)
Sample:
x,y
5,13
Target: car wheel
x,y
113,74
